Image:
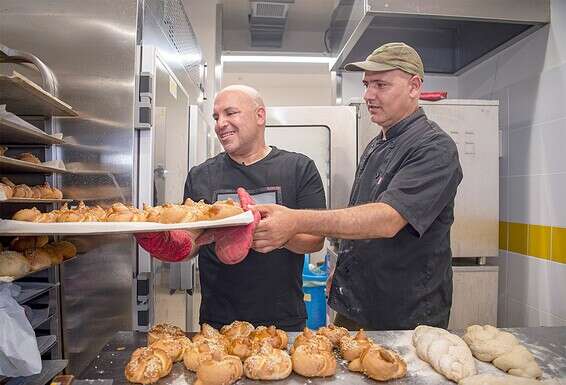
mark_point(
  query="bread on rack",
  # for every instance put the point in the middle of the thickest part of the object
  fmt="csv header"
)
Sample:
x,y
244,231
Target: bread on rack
x,y
276,337
7,190
23,243
160,331
38,258
147,365
13,264
221,369
379,364
3,150
310,361
268,364
352,347
23,191
27,215
42,191
311,338
64,248
333,333
28,157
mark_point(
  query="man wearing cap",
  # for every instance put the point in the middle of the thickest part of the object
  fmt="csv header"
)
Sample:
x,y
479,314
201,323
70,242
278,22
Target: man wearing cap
x,y
394,264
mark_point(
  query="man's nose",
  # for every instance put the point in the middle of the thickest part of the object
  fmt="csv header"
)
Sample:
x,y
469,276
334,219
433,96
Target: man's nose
x,y
369,94
220,123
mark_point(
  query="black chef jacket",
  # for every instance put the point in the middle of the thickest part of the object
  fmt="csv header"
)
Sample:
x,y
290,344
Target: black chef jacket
x,y
264,289
404,281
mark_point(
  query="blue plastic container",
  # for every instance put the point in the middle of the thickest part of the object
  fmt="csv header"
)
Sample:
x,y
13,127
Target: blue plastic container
x,y
314,284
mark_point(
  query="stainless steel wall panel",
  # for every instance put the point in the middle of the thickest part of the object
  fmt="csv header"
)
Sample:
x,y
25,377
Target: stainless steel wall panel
x,y
90,47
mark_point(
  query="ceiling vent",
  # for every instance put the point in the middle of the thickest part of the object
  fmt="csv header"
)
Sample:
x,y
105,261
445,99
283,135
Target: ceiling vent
x,y
268,19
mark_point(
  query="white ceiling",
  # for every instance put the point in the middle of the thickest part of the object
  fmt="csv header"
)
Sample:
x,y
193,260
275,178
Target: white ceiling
x,y
308,17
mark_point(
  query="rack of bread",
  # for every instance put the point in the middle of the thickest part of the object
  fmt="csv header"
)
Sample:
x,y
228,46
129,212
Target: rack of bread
x,y
120,218
26,255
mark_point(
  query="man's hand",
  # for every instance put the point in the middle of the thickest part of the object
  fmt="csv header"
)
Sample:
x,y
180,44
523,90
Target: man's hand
x,y
232,243
169,246
277,226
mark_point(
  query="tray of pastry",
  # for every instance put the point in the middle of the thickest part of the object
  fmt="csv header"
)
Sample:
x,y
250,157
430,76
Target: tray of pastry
x,y
23,97
119,218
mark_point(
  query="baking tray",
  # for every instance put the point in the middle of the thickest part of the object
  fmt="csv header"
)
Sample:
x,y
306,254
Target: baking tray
x,y
10,227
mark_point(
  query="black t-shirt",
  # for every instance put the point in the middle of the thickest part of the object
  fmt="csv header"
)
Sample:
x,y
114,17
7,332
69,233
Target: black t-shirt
x,y
404,281
264,289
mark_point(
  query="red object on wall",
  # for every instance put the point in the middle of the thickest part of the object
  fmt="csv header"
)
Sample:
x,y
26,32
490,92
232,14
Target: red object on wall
x,y
434,96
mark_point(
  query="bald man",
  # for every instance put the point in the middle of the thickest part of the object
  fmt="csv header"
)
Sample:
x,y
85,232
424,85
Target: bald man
x,y
264,289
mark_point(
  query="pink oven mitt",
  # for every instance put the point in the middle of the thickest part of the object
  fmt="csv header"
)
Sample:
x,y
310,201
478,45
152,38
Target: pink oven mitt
x,y
232,243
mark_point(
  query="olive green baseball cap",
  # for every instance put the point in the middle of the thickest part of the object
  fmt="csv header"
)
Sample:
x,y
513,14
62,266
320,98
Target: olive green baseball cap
x,y
391,56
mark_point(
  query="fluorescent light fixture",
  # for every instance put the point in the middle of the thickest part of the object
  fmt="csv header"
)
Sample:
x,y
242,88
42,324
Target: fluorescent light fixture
x,y
276,59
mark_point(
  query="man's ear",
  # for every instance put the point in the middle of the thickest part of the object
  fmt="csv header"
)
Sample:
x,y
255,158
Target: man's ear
x,y
260,115
416,84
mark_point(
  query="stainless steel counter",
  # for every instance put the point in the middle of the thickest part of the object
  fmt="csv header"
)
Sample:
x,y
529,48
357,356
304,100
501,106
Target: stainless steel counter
x,y
547,344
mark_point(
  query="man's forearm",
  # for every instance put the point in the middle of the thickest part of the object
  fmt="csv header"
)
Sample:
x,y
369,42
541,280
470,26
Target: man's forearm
x,y
372,220
305,243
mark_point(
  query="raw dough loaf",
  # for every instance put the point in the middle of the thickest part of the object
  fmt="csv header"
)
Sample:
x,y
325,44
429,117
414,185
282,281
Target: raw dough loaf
x,y
447,353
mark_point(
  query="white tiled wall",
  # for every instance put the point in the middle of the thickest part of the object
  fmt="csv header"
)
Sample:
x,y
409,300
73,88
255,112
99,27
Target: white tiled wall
x,y
529,79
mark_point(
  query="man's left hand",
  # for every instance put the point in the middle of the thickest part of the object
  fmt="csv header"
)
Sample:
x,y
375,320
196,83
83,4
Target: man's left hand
x,y
277,226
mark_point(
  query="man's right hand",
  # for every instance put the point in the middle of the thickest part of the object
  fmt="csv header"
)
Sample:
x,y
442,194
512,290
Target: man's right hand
x,y
169,246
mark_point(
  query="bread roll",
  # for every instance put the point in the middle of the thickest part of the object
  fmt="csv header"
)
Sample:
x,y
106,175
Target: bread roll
x,y
309,361
160,331
3,150
222,369
241,347
209,334
26,215
276,337
38,258
147,365
23,243
7,190
309,337
352,347
65,249
199,352
224,209
28,157
379,364
22,191
237,329
447,353
333,333
174,347
176,214
268,364
13,264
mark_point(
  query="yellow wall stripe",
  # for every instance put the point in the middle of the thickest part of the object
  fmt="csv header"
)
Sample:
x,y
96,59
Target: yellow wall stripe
x,y
558,244
544,242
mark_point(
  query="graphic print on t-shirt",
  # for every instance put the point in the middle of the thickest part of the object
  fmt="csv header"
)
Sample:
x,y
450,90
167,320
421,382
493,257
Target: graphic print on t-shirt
x,y
262,195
